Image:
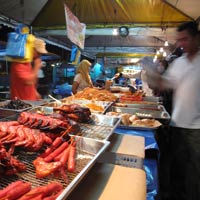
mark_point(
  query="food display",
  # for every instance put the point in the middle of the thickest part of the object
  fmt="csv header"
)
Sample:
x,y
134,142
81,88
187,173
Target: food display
x,y
15,105
133,121
58,158
10,165
21,136
129,97
48,149
64,162
94,94
94,106
38,148
24,191
142,113
74,112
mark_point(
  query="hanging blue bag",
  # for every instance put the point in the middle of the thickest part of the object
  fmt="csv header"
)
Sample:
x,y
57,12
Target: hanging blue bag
x,y
16,45
73,53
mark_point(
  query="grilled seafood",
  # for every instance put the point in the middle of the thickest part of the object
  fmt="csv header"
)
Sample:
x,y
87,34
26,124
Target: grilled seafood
x,y
19,135
44,169
74,112
18,191
58,159
9,164
50,190
35,120
22,191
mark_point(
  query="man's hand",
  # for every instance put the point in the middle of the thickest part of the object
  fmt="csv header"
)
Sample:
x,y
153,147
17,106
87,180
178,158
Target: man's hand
x,y
118,75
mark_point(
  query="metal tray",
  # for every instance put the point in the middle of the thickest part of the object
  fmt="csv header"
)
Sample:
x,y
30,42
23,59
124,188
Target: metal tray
x,y
38,102
101,127
152,99
142,113
88,151
141,128
4,103
105,105
7,113
157,107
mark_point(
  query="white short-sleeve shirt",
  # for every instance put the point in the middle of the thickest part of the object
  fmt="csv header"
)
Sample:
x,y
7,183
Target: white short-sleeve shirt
x,y
82,83
184,76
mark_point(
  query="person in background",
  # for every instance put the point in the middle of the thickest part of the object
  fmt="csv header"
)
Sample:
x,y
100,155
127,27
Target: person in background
x,y
82,78
43,83
101,80
138,75
180,154
24,76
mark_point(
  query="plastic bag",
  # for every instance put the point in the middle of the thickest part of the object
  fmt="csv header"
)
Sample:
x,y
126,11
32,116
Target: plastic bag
x,y
16,45
20,45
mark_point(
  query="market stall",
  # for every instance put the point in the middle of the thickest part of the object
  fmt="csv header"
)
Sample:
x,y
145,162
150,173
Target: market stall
x,y
90,120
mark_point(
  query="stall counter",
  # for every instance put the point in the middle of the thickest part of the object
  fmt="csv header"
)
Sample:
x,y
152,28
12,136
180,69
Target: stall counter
x,y
115,182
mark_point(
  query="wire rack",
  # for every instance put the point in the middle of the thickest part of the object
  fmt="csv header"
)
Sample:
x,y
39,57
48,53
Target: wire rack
x,y
29,174
100,132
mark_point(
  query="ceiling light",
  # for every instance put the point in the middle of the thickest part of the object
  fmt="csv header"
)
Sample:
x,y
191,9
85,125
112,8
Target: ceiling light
x,y
115,31
166,43
164,54
161,49
134,60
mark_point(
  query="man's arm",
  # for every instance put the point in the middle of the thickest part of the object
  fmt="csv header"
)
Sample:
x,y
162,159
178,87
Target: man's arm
x,y
37,63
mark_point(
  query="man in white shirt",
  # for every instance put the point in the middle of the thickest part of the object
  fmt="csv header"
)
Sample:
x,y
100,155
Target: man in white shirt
x,y
182,154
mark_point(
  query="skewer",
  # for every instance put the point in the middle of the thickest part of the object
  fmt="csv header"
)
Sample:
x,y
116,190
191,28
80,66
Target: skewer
x,y
58,101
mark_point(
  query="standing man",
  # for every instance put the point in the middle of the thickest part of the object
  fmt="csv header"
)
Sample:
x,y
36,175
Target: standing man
x,y
182,152
24,76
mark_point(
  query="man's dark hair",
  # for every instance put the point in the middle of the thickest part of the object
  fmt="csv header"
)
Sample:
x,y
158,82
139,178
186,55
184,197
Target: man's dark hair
x,y
191,27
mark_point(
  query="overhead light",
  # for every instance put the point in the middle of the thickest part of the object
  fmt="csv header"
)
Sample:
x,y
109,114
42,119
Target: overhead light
x,y
166,43
157,52
134,60
164,54
155,58
115,31
161,49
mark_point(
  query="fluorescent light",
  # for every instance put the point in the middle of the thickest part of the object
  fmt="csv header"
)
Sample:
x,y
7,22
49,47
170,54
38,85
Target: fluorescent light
x,y
115,31
166,43
164,54
134,60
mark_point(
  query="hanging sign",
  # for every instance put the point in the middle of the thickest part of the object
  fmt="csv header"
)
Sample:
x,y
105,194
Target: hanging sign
x,y
75,29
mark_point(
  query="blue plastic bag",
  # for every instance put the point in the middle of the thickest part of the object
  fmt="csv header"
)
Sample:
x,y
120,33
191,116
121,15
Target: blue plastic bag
x,y
16,45
73,53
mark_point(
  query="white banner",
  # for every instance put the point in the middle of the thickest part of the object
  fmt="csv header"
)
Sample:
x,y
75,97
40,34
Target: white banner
x,y
75,29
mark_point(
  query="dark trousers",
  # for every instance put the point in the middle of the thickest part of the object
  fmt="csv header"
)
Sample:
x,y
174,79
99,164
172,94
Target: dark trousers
x,y
179,163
